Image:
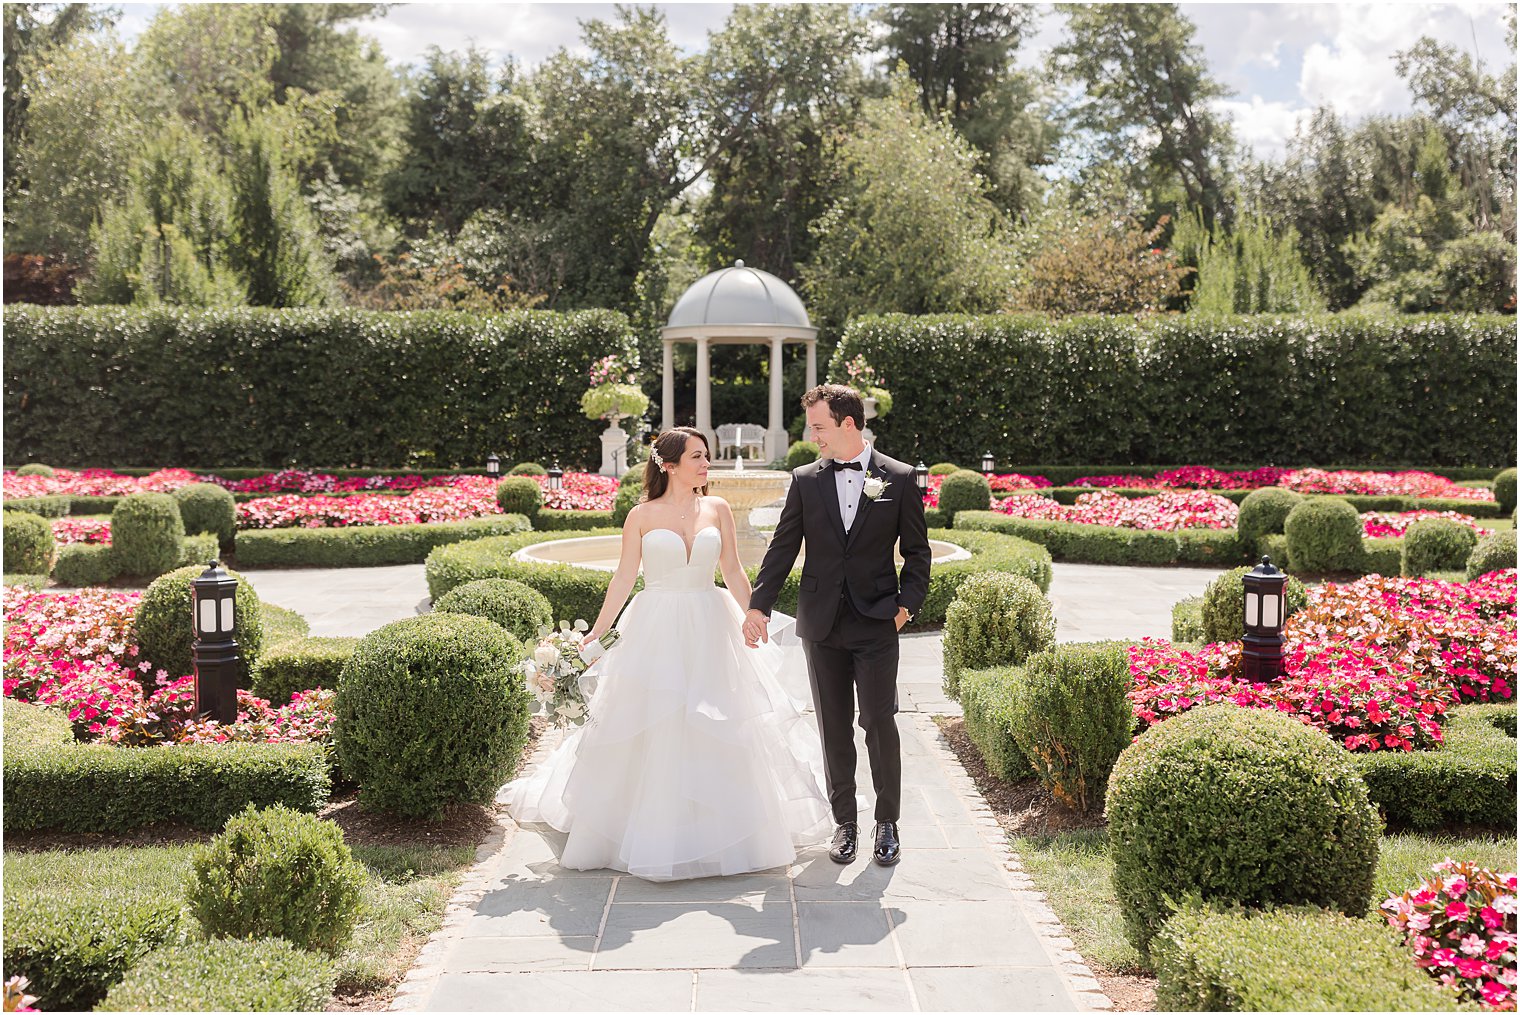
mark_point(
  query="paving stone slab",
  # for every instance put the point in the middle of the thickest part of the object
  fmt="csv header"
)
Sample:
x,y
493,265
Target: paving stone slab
x,y
995,989
965,934
720,935
568,991
845,934
771,887
572,907
515,954
840,990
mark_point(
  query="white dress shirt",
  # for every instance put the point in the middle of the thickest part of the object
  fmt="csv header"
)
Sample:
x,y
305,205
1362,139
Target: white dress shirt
x,y
851,486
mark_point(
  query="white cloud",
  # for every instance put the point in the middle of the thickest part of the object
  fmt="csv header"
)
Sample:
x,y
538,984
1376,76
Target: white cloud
x,y
1264,127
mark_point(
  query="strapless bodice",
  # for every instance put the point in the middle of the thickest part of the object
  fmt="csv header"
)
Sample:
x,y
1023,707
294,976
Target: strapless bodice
x,y
666,566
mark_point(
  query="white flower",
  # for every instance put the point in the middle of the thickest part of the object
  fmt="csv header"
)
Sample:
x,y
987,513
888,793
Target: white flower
x,y
874,487
546,656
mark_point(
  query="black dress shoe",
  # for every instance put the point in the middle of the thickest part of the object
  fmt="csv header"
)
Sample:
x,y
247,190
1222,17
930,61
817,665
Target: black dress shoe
x,y
846,841
888,849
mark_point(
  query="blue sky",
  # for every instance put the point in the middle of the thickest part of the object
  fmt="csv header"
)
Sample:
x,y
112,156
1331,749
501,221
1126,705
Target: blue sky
x,y
1281,60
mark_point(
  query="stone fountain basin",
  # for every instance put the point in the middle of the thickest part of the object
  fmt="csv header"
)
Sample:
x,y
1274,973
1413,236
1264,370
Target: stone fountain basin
x,y
600,553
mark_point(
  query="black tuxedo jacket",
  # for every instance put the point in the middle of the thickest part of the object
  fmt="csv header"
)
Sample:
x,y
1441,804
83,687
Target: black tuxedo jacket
x,y
859,563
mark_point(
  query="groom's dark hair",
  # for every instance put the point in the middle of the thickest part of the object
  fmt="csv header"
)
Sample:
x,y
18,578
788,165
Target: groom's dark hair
x,y
844,402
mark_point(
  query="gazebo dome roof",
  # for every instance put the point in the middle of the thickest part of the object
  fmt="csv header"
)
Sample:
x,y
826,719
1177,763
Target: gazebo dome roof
x,y
739,296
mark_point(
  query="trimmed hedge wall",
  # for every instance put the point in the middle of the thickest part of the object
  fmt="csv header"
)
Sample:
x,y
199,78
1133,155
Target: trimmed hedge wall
x,y
104,788
1105,544
1469,781
389,389
1291,959
364,545
1436,388
987,703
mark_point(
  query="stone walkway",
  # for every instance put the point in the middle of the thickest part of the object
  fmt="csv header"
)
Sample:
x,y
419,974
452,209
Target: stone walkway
x,y
956,926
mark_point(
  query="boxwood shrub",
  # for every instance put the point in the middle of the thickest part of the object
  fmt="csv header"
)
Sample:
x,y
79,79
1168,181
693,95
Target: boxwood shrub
x,y
1383,556
987,705
1262,513
1106,544
1324,534
527,469
34,582
364,545
28,542
801,453
555,520
29,725
995,619
1296,958
165,632
275,872
431,711
104,788
35,469
146,532
1469,781
49,506
82,564
1178,828
963,491
1494,552
73,951
268,974
519,495
300,664
281,625
199,549
519,609
1504,491
1436,544
1187,620
206,507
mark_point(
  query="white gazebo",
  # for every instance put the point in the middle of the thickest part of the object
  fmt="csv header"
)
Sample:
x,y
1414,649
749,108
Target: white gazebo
x,y
737,306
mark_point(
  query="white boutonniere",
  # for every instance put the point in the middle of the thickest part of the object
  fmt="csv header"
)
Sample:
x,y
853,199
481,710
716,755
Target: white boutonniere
x,y
874,487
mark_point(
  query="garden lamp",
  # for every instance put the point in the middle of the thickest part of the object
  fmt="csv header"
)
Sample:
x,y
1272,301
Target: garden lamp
x,y
556,477
493,465
213,614
921,477
986,463
1265,618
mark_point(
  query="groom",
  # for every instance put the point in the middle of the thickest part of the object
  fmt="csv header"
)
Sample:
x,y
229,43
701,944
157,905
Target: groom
x,y
851,507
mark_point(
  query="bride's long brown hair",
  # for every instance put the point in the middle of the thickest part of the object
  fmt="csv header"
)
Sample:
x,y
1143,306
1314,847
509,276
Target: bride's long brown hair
x,y
671,445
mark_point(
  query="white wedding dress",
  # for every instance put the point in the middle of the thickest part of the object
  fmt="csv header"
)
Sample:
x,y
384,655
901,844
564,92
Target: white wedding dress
x,y
696,761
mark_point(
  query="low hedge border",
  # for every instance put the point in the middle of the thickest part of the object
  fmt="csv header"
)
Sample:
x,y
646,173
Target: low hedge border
x,y
576,592
226,974
35,582
987,703
364,545
554,520
1469,781
1289,959
1104,544
1187,620
103,788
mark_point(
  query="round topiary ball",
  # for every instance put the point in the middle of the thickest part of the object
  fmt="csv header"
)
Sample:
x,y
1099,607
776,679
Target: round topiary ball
x,y
527,469
1324,534
519,608
1238,805
800,454
519,495
38,469
624,501
277,872
995,619
964,491
165,631
146,530
944,468
1262,513
633,477
1436,544
206,507
1494,552
29,544
1504,491
430,711
1224,605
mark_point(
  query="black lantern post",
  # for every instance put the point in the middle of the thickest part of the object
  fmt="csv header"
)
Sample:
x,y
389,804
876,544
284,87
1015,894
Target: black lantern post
x,y
921,477
1262,653
493,465
986,463
556,477
217,659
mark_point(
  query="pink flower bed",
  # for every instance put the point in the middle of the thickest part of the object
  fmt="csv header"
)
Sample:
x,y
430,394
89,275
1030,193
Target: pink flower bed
x,y
81,530
76,653
95,483
298,481
463,497
1384,524
1460,924
1383,484
1164,512
1375,663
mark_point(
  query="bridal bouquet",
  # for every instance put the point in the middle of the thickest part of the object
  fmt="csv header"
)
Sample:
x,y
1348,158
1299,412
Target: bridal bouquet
x,y
556,669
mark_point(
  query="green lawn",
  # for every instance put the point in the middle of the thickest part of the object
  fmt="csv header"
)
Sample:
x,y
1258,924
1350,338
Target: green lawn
x,y
404,898
1074,871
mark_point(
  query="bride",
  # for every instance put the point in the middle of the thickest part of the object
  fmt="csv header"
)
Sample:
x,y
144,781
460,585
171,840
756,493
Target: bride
x,y
695,762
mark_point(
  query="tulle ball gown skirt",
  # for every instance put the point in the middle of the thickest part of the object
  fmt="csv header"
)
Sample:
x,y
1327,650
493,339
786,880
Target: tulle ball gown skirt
x,y
696,761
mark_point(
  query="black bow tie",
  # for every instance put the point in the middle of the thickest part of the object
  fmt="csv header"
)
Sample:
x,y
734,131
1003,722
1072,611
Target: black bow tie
x,y
837,465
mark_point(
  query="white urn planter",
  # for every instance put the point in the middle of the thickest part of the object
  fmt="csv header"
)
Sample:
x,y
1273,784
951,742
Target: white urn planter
x,y
870,404
614,449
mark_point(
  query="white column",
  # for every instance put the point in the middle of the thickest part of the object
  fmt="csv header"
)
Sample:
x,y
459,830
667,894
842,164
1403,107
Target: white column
x,y
704,393
775,434
812,364
668,388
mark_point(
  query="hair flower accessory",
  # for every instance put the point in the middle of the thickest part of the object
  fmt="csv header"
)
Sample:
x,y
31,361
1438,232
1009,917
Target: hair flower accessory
x,y
874,487
656,457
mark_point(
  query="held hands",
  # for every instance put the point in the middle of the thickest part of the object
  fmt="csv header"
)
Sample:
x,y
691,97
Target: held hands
x,y
756,628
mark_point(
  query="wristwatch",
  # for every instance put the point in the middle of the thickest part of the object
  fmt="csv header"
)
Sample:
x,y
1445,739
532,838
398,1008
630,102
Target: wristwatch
x,y
907,611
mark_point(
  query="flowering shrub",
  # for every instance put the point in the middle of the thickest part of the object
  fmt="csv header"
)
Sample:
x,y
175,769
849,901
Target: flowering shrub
x,y
1385,524
1381,484
81,530
1165,512
463,497
1004,482
95,483
1460,924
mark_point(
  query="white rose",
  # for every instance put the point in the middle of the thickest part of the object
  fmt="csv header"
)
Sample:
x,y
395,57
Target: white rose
x,y
874,487
546,656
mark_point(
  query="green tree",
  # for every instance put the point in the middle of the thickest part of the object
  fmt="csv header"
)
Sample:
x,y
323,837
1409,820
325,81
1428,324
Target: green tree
x,y
913,230
1250,269
1100,266
961,58
1146,103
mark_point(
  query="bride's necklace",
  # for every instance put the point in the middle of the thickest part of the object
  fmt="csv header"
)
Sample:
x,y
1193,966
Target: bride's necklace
x,y
688,508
